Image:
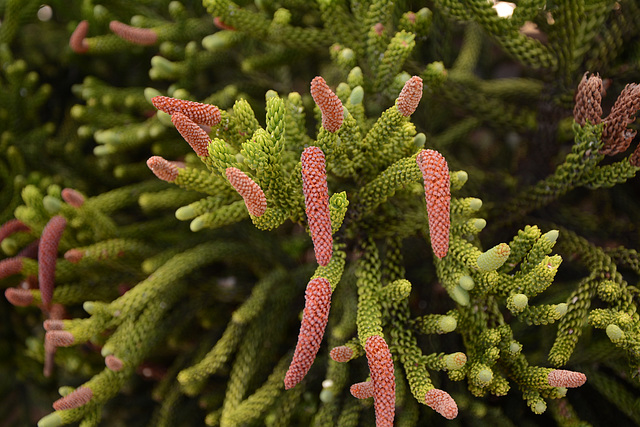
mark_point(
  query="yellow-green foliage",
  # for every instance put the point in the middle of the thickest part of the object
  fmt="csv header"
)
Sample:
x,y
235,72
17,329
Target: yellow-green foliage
x,y
189,291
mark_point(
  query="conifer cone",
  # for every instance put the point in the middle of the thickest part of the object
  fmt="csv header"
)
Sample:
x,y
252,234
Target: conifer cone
x,y
77,41
75,399
615,135
48,255
163,169
197,138
588,100
251,192
383,379
437,193
329,103
202,114
139,36
314,320
316,201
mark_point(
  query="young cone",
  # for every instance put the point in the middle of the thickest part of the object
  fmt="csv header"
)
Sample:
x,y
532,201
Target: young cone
x,y
437,193
48,256
363,390
197,138
329,103
251,192
139,36
316,201
77,40
341,353
75,399
564,378
410,96
202,114
314,321
441,402
588,101
162,168
383,378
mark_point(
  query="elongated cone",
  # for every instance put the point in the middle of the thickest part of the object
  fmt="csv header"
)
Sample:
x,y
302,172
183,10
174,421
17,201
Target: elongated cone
x,y
12,226
197,138
329,103
77,40
314,321
75,399
383,378
251,192
564,378
202,114
316,201
48,256
139,36
437,193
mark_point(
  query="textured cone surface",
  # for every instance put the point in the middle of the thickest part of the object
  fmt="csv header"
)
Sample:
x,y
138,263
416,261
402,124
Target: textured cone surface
x,y
197,138
162,168
59,338
316,201
441,402
383,377
19,297
251,192
75,399
410,96
437,193
329,103
12,226
564,378
341,353
202,114
588,101
363,390
314,321
615,135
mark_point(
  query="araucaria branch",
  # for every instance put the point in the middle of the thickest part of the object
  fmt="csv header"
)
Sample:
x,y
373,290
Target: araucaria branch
x,y
333,213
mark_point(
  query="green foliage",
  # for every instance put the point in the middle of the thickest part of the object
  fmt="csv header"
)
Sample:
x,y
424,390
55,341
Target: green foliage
x,y
192,293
